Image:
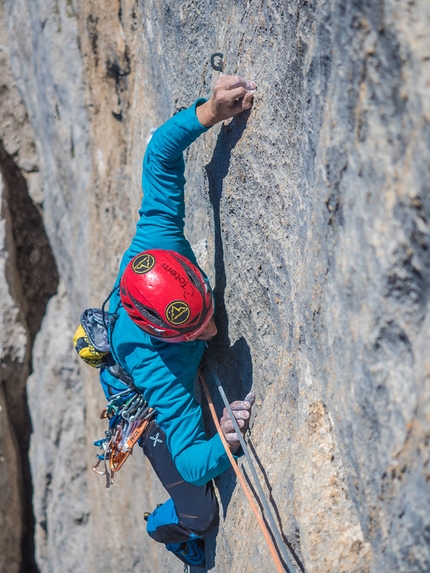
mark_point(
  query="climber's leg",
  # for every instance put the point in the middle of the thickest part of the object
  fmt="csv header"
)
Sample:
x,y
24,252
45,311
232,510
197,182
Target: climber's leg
x,y
191,510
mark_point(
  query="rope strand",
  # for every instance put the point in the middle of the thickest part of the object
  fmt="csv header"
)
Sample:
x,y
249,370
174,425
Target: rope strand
x,y
243,483
267,510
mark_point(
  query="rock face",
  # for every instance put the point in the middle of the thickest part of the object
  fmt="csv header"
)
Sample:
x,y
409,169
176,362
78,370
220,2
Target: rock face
x,y
28,278
315,208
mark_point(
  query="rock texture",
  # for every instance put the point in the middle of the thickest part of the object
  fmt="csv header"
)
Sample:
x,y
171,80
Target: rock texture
x,y
316,214
28,278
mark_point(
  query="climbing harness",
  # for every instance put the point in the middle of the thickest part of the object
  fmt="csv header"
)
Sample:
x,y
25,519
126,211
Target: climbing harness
x,y
128,414
217,61
267,511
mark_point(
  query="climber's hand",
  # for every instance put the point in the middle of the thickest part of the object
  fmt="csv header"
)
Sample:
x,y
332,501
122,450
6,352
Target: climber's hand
x,y
231,96
242,413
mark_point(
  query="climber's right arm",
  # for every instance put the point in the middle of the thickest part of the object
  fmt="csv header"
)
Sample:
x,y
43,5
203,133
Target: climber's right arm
x,y
162,213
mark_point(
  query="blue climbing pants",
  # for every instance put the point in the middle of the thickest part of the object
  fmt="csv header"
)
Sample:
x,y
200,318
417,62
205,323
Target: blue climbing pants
x,y
191,510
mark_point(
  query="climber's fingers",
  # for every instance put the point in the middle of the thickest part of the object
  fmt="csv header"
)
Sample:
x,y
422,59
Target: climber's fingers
x,y
229,95
242,412
235,85
232,95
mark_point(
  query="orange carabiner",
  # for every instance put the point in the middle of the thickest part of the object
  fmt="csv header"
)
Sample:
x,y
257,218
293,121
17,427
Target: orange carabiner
x,y
118,458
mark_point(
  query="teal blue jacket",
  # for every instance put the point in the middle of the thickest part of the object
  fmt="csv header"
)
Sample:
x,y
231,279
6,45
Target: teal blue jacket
x,y
165,372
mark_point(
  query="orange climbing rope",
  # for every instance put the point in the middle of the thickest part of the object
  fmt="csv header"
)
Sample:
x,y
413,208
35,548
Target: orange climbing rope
x,y
242,481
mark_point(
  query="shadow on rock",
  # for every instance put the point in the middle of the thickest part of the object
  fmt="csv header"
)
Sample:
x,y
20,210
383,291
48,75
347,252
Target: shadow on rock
x,y
234,369
272,504
217,170
233,364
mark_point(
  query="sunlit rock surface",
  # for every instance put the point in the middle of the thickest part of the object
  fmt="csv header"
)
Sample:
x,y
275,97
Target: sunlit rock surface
x,y
315,210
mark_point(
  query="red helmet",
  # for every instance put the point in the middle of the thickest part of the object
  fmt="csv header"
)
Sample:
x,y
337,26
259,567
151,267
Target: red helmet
x,y
166,295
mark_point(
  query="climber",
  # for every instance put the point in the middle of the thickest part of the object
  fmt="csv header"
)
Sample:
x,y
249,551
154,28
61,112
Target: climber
x,y
163,309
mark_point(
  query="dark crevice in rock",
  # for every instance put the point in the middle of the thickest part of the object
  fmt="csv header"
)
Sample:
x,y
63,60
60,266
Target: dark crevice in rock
x,y
32,277
35,264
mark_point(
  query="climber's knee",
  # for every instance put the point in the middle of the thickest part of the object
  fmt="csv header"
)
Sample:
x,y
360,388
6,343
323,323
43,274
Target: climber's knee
x,y
202,523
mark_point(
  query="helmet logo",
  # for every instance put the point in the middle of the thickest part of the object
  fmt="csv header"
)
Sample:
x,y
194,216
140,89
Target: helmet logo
x,y
178,312
143,263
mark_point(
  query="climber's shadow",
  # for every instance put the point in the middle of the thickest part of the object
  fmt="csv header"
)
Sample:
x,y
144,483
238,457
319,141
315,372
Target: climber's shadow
x,y
217,170
277,515
232,364
234,369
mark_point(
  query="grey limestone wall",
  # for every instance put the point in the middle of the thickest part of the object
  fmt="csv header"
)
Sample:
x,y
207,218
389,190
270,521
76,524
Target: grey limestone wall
x,y
315,210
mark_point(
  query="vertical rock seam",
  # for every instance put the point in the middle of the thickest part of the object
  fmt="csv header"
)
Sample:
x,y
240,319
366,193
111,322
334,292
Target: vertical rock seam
x,y
32,278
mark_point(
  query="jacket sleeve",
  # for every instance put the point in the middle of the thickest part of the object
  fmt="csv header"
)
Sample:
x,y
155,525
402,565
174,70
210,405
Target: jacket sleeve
x,y
165,382
165,372
162,212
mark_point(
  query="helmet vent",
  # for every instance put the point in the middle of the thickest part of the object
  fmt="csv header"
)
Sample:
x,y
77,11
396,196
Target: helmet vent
x,y
148,313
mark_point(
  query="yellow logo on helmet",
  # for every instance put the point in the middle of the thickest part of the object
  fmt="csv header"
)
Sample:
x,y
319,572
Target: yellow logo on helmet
x,y
143,263
178,312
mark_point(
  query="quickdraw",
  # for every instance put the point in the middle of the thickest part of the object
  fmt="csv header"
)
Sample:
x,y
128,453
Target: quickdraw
x,y
129,415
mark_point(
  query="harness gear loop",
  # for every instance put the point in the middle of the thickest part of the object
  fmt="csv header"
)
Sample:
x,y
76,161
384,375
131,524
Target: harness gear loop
x,y
127,411
118,457
128,416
